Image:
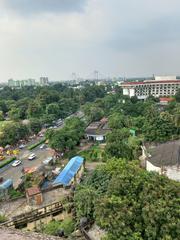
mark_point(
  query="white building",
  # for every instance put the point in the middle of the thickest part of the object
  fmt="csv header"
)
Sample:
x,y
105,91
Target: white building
x,y
44,81
164,159
161,86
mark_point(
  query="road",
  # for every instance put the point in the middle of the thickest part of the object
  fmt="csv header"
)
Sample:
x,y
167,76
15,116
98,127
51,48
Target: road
x,y
15,173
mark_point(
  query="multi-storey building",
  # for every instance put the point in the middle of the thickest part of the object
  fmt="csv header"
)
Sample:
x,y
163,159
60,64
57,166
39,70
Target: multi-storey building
x,y
159,87
44,81
21,83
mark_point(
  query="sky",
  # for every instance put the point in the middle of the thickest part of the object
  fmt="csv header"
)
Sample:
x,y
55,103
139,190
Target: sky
x,y
56,38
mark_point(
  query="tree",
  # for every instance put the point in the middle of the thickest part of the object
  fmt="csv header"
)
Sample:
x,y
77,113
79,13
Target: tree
x,y
68,137
177,96
117,144
13,132
14,114
1,116
35,125
52,108
84,202
134,203
34,110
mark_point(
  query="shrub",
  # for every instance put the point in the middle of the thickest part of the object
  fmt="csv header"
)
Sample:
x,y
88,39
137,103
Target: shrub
x,y
7,162
36,144
2,218
68,226
15,194
52,228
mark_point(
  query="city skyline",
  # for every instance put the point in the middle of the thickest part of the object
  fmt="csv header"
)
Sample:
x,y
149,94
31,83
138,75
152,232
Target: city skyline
x,y
118,38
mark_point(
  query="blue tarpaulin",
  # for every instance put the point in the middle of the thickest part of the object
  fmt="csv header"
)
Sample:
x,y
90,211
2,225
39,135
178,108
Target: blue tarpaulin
x,y
69,171
7,184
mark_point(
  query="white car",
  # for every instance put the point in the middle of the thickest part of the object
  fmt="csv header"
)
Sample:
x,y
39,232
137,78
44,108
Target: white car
x,y
32,156
16,163
42,146
22,146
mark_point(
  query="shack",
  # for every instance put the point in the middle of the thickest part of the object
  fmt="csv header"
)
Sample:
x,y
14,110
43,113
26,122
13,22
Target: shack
x,y
34,196
72,172
5,187
97,131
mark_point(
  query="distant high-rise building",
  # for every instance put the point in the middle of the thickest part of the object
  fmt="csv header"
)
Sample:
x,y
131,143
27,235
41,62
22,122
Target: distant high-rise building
x,y
44,81
21,83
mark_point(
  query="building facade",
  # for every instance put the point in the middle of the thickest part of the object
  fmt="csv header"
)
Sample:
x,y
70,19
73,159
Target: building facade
x,y
160,87
44,81
21,83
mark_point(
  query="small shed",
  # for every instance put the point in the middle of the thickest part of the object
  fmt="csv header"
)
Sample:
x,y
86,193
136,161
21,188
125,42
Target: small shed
x,y
71,173
34,196
5,187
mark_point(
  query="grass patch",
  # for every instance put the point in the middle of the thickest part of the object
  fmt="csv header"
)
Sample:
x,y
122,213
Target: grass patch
x,y
36,144
7,162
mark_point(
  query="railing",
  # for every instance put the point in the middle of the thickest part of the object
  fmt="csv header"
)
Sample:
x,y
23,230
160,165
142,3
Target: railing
x,y
34,215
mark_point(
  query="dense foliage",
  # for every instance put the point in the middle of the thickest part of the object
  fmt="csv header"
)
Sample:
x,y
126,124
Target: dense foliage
x,y
129,202
54,227
40,106
68,137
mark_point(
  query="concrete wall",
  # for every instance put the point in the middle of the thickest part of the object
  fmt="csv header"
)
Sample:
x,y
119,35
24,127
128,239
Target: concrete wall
x,y
172,172
150,167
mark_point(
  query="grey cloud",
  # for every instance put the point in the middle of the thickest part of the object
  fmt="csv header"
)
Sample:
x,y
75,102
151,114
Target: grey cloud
x,y
142,35
40,6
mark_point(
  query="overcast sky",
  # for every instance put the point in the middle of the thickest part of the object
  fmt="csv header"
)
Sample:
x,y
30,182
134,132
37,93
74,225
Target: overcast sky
x,y
116,37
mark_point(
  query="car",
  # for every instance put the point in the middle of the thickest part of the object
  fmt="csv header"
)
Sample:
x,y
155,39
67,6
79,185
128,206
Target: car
x,y
22,146
42,146
47,161
16,163
32,156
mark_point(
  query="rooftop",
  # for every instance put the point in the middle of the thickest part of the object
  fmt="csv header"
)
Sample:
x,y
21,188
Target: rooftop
x,y
98,128
166,154
150,82
70,170
33,191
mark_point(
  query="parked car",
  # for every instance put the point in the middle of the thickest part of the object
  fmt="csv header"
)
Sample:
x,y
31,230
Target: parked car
x,y
16,163
32,156
48,161
22,146
42,146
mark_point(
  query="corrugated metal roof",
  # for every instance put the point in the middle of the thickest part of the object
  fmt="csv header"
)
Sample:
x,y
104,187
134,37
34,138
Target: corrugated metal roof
x,y
69,171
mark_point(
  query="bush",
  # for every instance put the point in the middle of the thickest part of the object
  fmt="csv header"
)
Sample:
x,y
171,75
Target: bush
x,y
68,226
3,218
52,228
7,162
15,194
36,144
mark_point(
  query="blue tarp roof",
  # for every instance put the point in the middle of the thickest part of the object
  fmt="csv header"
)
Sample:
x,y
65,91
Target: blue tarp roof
x,y
5,185
69,171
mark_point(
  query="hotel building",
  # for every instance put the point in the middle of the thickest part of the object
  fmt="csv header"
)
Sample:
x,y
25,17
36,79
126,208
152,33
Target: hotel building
x,y
159,87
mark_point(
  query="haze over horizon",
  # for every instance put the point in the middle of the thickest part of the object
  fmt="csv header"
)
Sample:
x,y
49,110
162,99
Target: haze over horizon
x,y
118,38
